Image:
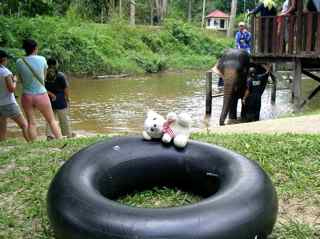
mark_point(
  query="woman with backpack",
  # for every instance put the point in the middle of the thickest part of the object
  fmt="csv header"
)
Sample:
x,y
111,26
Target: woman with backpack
x,y
32,70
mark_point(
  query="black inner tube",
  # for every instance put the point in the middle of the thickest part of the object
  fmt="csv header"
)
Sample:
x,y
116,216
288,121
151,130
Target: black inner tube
x,y
239,198
168,174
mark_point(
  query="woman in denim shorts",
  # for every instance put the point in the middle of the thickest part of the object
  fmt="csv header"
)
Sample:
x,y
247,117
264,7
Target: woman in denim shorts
x,y
8,105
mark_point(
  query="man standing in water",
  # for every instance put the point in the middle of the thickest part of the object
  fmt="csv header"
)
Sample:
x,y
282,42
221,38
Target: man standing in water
x,y
251,101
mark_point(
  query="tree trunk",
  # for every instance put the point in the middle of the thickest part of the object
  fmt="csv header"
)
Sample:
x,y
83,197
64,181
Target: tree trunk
x,y
161,9
164,8
232,18
132,12
203,12
120,8
151,12
190,11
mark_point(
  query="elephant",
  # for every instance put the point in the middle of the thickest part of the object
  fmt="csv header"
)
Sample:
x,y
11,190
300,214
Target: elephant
x,y
233,67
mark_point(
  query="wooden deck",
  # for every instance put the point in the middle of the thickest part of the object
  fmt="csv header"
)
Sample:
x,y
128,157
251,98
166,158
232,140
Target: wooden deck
x,y
286,36
289,39
279,40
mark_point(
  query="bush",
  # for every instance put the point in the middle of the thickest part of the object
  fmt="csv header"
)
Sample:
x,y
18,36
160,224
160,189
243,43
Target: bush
x,y
88,48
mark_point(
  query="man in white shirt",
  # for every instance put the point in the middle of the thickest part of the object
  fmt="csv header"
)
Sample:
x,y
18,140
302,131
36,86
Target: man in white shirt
x,y
8,104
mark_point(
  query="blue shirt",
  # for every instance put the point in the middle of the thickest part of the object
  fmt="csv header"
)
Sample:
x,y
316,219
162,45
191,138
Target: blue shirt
x,y
30,84
243,40
6,97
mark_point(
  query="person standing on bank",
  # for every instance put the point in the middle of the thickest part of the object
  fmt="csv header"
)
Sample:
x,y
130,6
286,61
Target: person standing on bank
x,y
32,70
58,91
8,104
243,38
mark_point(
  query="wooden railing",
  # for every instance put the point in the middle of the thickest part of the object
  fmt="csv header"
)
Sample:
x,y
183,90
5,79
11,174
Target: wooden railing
x,y
286,36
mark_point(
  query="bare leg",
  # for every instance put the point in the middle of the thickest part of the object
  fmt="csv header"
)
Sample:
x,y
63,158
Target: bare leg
x,y
32,125
22,123
47,113
48,130
3,128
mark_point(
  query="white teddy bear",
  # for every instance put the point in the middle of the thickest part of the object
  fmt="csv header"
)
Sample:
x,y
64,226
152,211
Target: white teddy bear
x,y
153,126
176,128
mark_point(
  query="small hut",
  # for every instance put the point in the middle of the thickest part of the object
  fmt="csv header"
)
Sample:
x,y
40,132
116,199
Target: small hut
x,y
218,20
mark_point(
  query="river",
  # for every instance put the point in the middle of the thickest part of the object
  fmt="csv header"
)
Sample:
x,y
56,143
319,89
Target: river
x,y
119,105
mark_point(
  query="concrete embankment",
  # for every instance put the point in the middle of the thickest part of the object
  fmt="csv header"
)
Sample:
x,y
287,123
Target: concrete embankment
x,y
298,125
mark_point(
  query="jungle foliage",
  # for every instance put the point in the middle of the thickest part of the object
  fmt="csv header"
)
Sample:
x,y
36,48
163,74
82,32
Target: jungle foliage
x,y
91,48
104,10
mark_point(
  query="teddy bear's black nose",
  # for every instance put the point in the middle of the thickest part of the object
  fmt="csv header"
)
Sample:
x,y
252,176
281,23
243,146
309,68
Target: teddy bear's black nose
x,y
152,129
155,125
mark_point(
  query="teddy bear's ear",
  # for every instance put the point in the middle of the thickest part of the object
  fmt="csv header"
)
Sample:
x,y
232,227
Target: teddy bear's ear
x,y
172,116
151,113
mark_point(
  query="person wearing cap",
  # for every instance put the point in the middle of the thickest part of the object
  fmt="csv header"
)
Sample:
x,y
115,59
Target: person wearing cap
x,y
243,38
8,104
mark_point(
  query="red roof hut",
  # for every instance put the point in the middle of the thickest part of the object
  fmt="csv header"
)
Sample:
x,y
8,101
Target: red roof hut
x,y
218,20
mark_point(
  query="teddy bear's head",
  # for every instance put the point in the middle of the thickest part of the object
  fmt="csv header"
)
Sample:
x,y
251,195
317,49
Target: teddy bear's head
x,y
153,125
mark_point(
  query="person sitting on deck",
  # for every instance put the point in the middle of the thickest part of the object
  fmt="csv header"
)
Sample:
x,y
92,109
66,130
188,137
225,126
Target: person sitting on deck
x,y
243,38
289,8
251,101
266,8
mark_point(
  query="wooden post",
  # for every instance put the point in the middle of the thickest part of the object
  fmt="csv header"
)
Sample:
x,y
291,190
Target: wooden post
x,y
266,36
253,33
297,97
274,89
291,32
310,34
318,34
299,26
281,36
209,92
274,35
261,35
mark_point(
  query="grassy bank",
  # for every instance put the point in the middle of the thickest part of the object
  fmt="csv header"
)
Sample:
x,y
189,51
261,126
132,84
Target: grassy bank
x,y
292,161
91,48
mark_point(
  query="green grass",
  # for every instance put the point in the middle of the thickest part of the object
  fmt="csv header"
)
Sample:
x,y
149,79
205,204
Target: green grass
x,y
292,161
159,198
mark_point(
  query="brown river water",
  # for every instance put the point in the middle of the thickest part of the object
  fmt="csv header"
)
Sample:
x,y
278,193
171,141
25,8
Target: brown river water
x,y
113,106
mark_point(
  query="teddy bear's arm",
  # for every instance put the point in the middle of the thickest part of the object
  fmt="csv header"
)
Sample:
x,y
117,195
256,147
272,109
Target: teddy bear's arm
x,y
146,136
166,138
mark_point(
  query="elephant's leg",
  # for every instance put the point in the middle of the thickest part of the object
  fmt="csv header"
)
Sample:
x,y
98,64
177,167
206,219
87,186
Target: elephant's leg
x,y
233,108
225,108
230,99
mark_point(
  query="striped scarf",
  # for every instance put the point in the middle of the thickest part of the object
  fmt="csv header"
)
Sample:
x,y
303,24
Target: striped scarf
x,y
167,129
